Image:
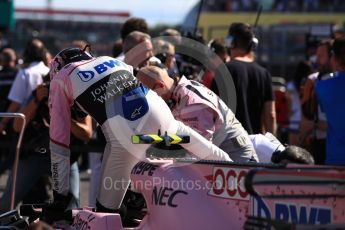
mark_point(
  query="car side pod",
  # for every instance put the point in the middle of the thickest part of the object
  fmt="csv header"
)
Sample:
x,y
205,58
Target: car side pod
x,y
297,182
296,197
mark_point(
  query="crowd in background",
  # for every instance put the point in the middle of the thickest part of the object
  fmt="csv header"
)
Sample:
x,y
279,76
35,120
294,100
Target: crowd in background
x,y
25,87
274,5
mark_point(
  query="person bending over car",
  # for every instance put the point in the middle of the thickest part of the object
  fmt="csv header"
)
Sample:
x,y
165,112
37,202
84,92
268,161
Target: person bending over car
x,y
201,109
106,89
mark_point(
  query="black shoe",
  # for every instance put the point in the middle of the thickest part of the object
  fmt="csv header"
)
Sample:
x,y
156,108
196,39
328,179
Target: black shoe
x,y
122,211
101,208
56,211
135,205
132,209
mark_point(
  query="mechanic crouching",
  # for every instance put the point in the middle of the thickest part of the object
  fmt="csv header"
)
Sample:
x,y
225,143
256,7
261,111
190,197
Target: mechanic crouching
x,y
201,109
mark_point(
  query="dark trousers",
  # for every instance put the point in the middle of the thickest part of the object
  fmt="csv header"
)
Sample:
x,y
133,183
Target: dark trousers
x,y
319,151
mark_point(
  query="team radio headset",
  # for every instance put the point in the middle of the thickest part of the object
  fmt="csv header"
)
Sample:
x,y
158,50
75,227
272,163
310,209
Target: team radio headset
x,y
244,30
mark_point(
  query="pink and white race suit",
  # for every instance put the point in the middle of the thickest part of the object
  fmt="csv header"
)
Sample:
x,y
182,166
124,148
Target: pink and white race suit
x,y
106,89
201,109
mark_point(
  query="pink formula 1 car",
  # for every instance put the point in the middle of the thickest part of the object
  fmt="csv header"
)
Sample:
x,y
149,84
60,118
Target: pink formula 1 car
x,y
183,194
189,194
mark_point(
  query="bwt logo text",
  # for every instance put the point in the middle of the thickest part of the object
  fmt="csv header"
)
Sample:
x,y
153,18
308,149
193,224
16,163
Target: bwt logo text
x,y
87,75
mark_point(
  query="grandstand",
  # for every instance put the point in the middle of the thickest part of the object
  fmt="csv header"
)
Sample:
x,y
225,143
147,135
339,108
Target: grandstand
x,y
57,28
284,30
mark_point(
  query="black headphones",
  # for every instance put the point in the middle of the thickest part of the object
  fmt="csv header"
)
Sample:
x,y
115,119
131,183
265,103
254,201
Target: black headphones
x,y
230,42
70,55
210,45
75,54
241,29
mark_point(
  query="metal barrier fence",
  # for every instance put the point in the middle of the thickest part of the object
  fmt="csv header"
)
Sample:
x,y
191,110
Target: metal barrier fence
x,y
16,159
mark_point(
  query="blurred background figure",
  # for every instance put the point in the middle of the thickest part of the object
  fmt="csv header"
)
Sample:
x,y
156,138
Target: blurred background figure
x,y
314,121
26,81
294,94
188,65
117,49
218,47
82,44
165,52
8,71
253,83
138,49
171,35
132,24
28,78
331,96
4,43
34,184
